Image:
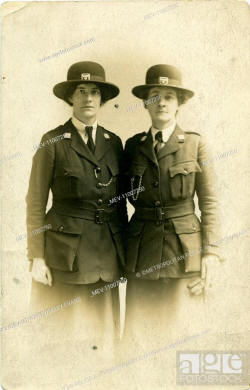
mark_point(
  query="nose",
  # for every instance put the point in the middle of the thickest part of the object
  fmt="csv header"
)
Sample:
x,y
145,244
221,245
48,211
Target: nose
x,y
161,101
87,97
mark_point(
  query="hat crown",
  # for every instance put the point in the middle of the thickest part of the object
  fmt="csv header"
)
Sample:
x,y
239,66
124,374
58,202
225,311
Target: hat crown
x,y
156,72
86,70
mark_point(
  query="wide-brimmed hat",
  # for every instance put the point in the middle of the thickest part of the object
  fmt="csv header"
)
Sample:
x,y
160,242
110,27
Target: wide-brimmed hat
x,y
86,72
162,76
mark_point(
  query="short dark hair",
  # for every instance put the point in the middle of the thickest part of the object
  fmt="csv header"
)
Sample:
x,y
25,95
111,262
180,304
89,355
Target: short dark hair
x,y
181,95
69,92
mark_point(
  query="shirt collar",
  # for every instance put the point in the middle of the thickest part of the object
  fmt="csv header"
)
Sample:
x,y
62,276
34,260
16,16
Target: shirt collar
x,y
80,126
165,132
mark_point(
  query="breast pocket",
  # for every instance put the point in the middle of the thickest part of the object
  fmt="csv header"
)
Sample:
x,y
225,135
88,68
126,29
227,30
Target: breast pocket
x,y
182,179
136,174
61,241
69,181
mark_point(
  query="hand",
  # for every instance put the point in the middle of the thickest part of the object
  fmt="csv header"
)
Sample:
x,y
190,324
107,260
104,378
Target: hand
x,y
202,284
41,272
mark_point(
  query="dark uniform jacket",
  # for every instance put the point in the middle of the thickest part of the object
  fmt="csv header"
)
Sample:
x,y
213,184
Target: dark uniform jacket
x,y
164,225
81,215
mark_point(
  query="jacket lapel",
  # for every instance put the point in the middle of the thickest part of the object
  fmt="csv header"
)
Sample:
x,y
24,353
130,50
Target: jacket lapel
x,y
173,144
102,143
77,143
147,148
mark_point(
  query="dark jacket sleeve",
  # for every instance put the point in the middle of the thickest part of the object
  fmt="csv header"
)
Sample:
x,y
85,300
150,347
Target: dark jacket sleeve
x,y
37,197
208,202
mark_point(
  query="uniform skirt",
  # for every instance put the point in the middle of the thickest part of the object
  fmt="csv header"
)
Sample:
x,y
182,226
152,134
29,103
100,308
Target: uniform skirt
x,y
75,333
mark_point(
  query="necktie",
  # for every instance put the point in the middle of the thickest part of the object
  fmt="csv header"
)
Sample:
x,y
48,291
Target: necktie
x,y
158,138
90,142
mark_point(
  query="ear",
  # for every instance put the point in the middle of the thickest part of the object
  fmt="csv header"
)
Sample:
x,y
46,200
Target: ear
x,y
145,104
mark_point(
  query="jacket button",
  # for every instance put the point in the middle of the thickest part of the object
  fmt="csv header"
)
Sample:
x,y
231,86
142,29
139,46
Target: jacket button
x,y
156,184
185,172
98,169
194,228
98,185
157,203
66,174
61,228
100,201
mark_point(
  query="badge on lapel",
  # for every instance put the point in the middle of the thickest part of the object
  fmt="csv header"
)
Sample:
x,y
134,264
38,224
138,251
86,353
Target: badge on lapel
x,y
181,137
143,138
106,136
66,135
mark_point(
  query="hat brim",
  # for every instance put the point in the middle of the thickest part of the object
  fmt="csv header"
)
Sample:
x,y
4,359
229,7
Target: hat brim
x,y
139,90
110,90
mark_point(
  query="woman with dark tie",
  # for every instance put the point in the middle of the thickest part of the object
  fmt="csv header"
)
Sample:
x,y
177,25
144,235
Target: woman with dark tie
x,y
78,252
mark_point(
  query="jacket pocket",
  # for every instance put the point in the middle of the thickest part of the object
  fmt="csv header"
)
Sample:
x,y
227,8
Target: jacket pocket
x,y
134,236
61,241
188,229
182,179
118,239
69,180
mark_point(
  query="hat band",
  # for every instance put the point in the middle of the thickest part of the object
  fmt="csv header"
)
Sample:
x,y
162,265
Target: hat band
x,y
164,81
88,77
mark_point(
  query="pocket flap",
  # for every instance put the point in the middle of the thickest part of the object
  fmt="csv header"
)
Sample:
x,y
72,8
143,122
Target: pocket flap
x,y
184,168
187,224
63,224
72,171
137,170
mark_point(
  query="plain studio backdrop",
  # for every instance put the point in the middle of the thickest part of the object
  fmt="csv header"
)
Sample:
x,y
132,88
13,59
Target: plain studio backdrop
x,y
209,42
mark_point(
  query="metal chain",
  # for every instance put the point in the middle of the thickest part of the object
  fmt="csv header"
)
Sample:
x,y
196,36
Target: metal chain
x,y
106,184
132,187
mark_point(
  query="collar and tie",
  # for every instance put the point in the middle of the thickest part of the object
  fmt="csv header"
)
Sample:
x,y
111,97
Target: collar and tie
x,y
159,143
90,143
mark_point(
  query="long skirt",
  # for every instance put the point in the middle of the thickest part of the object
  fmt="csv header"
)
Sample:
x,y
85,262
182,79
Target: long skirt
x,y
159,314
74,333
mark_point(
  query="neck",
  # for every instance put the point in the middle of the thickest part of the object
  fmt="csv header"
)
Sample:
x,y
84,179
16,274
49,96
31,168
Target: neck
x,y
162,125
87,121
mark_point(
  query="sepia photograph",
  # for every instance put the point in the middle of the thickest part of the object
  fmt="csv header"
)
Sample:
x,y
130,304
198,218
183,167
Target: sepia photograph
x,y
125,195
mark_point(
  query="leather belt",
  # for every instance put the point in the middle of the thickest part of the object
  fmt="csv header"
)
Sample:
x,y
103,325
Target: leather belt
x,y
79,210
160,214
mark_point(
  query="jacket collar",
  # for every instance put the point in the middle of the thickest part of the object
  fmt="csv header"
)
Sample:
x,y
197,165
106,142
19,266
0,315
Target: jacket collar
x,y
77,143
172,145
102,143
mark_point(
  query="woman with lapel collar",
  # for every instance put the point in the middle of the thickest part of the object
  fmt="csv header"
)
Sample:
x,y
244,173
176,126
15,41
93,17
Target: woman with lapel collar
x,y
78,251
169,250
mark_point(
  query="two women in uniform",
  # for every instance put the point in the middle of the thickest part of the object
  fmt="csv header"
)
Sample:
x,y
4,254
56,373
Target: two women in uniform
x,y
169,250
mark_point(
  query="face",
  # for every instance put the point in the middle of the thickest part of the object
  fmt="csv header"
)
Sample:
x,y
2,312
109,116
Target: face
x,y
86,101
164,105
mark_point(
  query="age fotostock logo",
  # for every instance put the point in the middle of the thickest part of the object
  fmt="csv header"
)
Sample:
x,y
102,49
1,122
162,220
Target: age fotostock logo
x,y
212,368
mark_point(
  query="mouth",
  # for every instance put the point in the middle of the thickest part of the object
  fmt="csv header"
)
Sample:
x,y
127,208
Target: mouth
x,y
162,111
87,107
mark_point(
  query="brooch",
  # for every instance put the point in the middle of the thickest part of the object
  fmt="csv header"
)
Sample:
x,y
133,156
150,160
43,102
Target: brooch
x,y
66,135
106,136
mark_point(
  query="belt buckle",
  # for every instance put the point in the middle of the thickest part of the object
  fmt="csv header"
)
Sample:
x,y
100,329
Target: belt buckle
x,y
159,213
99,216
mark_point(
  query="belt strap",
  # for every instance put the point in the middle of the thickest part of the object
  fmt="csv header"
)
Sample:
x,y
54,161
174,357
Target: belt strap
x,y
79,210
162,213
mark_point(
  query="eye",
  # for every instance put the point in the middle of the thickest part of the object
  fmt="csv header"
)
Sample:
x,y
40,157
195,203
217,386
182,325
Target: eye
x,y
96,92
